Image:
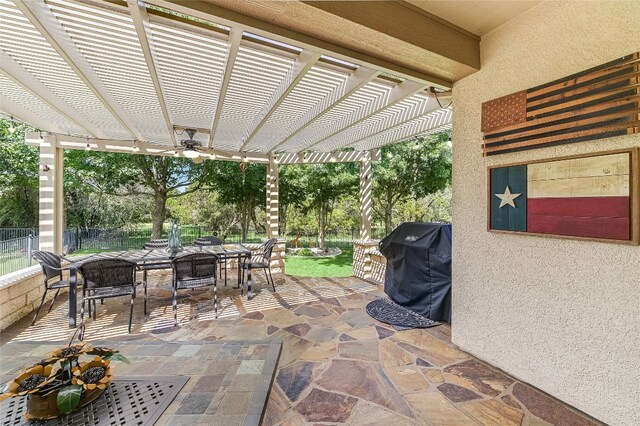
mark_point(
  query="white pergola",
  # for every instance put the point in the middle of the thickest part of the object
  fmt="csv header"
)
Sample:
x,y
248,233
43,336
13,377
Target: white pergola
x,y
130,76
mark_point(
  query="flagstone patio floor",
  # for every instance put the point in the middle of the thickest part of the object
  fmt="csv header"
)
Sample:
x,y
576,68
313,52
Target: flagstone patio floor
x,y
337,366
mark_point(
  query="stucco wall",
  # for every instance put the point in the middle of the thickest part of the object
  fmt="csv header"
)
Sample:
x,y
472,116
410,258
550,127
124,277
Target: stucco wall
x,y
563,315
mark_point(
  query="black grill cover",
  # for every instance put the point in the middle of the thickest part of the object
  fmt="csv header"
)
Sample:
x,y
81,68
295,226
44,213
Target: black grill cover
x,y
418,274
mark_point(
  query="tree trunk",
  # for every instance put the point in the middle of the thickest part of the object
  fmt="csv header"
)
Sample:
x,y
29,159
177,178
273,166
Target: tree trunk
x,y
159,214
387,218
321,225
388,211
245,220
283,222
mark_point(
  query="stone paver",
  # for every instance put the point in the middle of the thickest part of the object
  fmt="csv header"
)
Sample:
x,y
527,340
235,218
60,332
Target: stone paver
x,y
337,365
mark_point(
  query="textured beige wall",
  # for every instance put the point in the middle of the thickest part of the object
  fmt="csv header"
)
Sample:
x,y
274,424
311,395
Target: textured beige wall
x,y
562,315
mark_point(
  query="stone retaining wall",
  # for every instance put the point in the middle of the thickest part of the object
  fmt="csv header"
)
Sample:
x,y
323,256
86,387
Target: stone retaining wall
x,y
20,294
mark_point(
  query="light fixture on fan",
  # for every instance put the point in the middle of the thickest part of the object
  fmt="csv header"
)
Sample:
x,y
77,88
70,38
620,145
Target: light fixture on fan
x,y
191,146
190,152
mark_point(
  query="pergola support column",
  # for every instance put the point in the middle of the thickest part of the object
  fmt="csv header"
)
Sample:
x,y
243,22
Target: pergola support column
x,y
51,212
273,223
365,196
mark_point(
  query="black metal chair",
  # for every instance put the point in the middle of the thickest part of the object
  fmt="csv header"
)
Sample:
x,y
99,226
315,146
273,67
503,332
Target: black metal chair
x,y
207,241
192,271
262,260
150,266
213,241
51,264
107,278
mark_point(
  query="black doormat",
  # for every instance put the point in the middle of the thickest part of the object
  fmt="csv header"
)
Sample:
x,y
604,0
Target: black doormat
x,y
389,312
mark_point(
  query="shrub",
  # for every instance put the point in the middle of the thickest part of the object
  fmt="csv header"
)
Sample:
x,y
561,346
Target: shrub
x,y
304,252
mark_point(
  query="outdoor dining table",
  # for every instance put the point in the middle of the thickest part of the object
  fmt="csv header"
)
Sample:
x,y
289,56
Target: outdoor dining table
x,y
140,257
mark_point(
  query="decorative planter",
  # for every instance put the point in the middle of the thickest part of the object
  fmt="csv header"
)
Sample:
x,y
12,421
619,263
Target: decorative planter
x,y
45,407
54,392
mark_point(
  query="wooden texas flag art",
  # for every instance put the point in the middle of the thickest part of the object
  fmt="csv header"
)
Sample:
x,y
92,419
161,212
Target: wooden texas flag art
x,y
578,197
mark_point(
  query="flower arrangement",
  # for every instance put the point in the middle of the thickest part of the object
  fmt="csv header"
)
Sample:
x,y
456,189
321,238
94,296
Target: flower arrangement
x,y
61,383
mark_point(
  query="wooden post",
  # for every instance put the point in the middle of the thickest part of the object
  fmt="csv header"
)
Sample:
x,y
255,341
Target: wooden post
x,y
272,199
365,197
51,215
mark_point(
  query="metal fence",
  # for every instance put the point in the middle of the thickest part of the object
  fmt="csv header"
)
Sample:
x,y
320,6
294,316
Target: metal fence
x,y
108,239
13,233
15,253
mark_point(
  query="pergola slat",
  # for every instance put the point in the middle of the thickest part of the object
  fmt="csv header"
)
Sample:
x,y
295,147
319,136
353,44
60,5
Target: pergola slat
x,y
303,64
21,113
19,75
145,73
400,92
43,19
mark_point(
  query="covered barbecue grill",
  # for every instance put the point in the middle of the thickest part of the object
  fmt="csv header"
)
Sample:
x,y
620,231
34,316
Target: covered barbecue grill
x,y
418,274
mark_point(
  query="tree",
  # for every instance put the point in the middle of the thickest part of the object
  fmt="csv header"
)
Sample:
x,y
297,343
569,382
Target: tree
x,y
19,183
292,193
325,184
413,169
158,177
245,190
204,208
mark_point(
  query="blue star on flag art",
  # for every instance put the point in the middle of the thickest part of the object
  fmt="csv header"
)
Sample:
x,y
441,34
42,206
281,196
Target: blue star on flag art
x,y
581,197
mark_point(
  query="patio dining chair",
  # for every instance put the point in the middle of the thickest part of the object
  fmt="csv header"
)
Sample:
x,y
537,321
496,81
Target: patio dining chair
x,y
192,271
213,241
107,278
207,241
262,260
51,264
150,266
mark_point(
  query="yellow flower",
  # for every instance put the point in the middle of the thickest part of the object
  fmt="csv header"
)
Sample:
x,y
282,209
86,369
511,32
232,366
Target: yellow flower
x,y
31,380
73,351
97,373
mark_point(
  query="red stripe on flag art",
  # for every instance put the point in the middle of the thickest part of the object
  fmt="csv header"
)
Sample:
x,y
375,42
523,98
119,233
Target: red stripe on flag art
x,y
581,197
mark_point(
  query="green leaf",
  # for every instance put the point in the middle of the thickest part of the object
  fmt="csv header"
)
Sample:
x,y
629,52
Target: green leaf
x,y
117,357
69,398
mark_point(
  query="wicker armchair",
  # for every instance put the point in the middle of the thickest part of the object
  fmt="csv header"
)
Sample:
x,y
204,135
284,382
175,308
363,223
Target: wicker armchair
x,y
262,260
52,268
107,278
192,271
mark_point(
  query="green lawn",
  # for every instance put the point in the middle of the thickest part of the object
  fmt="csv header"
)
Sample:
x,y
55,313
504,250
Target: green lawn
x,y
339,266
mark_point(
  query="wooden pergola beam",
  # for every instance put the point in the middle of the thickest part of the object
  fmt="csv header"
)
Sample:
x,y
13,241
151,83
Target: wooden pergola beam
x,y
235,37
225,15
143,148
138,11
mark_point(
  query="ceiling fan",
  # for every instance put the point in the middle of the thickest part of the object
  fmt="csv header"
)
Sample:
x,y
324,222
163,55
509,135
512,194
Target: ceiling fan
x,y
190,147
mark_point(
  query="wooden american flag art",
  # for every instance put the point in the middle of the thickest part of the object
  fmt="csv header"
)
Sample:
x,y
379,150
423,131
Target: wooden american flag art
x,y
594,197
594,104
